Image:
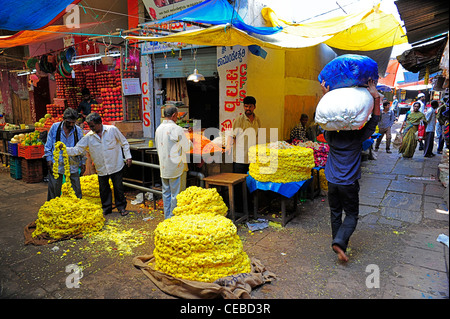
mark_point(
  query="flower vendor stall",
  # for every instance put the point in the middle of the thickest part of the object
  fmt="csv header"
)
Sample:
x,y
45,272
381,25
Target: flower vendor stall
x,y
321,150
282,168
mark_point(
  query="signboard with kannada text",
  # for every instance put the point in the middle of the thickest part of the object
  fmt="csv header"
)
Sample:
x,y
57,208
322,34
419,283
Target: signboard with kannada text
x,y
131,86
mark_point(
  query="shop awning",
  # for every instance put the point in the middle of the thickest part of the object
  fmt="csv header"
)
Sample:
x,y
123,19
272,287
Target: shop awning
x,y
423,19
428,56
31,14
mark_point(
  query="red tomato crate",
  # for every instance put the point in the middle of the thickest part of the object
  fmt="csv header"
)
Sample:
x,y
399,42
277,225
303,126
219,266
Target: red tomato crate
x,y
32,170
31,152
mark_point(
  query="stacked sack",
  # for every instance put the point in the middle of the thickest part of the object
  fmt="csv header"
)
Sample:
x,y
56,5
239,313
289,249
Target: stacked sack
x,y
347,106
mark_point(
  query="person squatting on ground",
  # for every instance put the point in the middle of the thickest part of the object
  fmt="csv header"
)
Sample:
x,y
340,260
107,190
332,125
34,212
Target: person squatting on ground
x,y
69,134
384,126
106,144
343,170
171,145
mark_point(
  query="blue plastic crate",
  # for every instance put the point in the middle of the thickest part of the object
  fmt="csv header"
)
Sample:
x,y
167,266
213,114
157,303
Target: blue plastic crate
x,y
13,149
15,167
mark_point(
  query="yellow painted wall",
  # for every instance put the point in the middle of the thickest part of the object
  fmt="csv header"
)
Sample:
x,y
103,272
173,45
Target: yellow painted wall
x,y
285,85
302,89
266,83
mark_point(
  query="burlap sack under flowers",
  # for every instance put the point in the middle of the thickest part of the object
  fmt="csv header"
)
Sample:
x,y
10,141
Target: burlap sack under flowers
x,y
231,287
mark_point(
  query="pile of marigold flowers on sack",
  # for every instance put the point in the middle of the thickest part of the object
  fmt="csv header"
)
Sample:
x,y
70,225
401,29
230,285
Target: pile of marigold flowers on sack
x,y
197,200
69,215
280,162
320,151
199,246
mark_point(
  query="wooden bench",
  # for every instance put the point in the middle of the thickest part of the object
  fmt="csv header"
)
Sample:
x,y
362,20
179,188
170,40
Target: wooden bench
x,y
230,180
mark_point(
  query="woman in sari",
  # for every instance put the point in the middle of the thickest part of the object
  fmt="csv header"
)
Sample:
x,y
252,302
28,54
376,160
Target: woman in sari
x,y
410,127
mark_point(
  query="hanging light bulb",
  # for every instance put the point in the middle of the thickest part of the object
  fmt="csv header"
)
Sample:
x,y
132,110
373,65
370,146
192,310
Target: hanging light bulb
x,y
195,77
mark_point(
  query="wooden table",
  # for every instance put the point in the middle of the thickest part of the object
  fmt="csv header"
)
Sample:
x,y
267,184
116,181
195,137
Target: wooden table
x,y
229,180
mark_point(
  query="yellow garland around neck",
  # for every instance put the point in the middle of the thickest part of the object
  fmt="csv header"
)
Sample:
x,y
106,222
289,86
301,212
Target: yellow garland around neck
x,y
56,153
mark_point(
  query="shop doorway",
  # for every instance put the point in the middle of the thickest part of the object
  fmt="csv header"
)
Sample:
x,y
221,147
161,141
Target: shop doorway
x,y
41,95
204,101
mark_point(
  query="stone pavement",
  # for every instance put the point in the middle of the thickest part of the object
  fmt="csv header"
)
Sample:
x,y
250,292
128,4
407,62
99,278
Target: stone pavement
x,y
393,252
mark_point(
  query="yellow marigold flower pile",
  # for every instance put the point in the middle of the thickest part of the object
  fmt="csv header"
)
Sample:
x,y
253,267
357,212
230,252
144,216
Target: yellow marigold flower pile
x,y
69,215
197,200
89,188
280,162
64,216
199,245
202,247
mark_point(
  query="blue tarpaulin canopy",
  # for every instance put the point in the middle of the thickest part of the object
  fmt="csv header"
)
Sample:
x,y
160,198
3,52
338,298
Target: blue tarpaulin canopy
x,y
31,14
217,12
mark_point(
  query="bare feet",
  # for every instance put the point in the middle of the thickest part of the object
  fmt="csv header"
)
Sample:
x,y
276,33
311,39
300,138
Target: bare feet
x,y
341,254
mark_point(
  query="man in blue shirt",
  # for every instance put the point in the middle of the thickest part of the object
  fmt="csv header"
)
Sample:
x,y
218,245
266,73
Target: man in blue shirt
x,y
343,170
386,121
68,133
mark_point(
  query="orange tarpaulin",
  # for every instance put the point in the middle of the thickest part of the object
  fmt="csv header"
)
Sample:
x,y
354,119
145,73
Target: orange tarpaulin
x,y
43,35
391,74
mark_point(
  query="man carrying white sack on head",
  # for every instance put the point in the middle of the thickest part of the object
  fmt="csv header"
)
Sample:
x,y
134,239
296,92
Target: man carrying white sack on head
x,y
343,170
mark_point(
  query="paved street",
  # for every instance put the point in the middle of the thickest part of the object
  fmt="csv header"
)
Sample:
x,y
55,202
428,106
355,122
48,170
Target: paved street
x,y
402,213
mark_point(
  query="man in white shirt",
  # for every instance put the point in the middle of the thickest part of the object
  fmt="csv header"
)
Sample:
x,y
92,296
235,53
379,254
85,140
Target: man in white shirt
x,y
106,143
171,145
430,128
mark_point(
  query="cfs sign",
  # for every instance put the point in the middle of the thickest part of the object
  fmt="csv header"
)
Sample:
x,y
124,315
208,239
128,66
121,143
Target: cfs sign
x,y
147,96
146,104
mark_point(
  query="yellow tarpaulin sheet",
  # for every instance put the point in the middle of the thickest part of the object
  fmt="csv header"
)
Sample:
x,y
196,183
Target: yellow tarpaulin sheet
x,y
363,31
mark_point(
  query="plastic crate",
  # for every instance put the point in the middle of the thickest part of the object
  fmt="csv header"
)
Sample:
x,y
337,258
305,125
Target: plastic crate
x,y
31,152
32,170
15,167
13,149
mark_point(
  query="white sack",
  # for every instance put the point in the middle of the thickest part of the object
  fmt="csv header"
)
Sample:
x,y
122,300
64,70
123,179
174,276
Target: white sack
x,y
344,109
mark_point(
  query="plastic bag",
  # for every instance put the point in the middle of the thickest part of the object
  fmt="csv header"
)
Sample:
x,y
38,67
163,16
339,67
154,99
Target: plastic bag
x,y
398,140
421,131
344,109
349,70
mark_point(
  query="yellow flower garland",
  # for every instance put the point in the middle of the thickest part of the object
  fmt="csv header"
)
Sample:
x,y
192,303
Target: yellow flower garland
x,y
280,162
56,153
